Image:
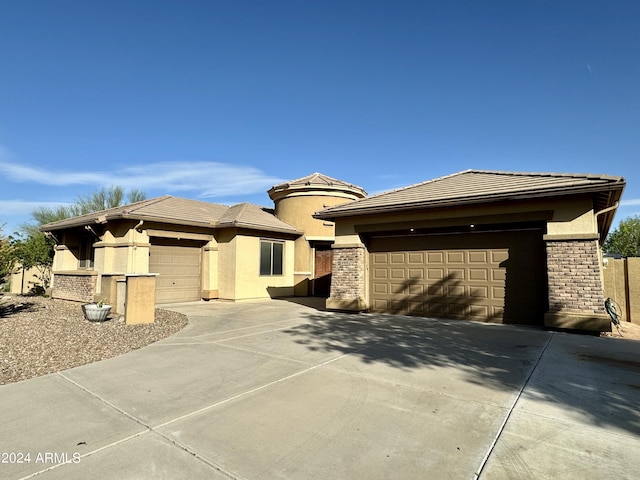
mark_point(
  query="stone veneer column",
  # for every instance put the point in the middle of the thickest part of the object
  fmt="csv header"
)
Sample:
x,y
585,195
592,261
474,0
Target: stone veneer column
x,y
576,296
347,279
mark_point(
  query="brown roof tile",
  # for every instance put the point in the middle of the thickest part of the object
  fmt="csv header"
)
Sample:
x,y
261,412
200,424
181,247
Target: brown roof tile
x,y
181,211
248,215
473,186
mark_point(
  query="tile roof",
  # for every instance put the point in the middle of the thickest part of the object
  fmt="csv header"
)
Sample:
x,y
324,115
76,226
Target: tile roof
x,y
475,186
181,211
317,180
248,215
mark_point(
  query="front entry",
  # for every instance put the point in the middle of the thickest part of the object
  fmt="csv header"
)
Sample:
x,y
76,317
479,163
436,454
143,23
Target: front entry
x,y
322,273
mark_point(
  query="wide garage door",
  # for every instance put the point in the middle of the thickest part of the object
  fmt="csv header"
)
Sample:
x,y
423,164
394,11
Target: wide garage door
x,y
179,269
494,277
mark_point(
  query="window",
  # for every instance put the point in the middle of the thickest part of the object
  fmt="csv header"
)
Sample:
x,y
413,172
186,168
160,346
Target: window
x,y
85,254
271,255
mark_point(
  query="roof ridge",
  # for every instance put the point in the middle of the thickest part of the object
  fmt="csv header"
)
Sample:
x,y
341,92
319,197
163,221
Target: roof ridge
x,y
399,189
542,174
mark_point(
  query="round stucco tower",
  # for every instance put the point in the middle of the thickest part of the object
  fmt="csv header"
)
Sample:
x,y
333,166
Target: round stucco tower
x,y
295,203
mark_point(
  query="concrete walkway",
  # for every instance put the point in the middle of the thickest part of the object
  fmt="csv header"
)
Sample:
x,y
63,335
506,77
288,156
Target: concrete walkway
x,y
282,390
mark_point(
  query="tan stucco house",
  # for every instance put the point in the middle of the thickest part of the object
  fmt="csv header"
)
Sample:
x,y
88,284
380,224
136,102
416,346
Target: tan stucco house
x,y
509,247
202,250
521,248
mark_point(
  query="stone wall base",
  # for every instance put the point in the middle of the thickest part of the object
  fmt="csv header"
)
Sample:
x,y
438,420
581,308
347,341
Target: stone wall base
x,y
348,305
578,321
77,286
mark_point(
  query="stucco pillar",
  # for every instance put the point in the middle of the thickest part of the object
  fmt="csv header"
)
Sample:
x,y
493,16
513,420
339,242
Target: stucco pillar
x,y
576,297
140,298
210,267
348,278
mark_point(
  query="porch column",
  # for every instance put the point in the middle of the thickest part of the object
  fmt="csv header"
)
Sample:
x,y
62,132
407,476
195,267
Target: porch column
x,y
348,278
576,294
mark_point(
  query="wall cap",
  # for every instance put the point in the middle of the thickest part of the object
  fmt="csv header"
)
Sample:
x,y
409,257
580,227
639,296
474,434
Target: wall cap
x,y
348,245
569,237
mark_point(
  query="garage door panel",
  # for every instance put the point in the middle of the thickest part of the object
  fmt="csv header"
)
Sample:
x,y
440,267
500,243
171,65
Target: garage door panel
x,y
479,311
478,274
382,288
435,273
498,275
479,292
455,257
416,308
380,258
454,274
499,256
478,257
435,257
380,273
453,291
435,290
417,273
397,258
415,258
484,276
398,273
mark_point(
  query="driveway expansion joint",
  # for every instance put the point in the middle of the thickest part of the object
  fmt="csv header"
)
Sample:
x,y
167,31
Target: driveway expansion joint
x,y
476,476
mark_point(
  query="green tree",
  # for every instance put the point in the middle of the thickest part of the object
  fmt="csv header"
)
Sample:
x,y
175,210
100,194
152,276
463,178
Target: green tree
x,y
7,258
102,199
35,251
624,239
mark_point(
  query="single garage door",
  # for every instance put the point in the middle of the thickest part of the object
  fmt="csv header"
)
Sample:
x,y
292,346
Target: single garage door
x,y
179,269
491,277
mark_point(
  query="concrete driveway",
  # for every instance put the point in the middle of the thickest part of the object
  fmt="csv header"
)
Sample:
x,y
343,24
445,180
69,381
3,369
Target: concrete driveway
x,y
282,390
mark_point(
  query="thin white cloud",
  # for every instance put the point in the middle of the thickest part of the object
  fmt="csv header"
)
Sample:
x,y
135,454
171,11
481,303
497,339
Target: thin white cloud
x,y
629,203
208,179
19,207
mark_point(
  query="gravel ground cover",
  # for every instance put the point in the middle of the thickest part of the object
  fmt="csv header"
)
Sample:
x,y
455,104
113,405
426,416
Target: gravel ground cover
x,y
41,335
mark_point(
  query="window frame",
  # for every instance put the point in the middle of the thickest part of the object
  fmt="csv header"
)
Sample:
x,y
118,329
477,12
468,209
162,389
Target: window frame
x,y
275,258
86,253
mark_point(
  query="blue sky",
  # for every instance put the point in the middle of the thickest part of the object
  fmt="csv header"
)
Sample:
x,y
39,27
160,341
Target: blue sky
x,y
220,100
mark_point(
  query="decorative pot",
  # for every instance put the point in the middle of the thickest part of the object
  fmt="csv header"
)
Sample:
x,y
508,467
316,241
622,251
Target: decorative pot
x,y
95,313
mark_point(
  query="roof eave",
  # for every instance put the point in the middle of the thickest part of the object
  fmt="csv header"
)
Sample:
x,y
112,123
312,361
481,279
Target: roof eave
x,y
263,228
329,215
121,216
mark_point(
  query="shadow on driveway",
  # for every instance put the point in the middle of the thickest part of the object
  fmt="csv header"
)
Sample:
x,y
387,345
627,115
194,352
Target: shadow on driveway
x,y
595,379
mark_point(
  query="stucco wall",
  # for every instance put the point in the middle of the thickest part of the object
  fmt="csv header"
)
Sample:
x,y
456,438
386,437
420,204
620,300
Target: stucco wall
x,y
210,268
297,208
23,281
249,283
239,268
571,216
622,284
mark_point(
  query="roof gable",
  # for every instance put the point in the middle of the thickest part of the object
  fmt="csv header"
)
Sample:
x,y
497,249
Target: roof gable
x,y
248,215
